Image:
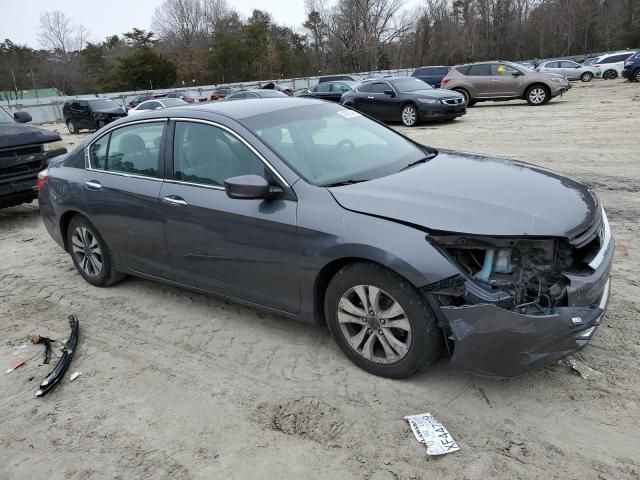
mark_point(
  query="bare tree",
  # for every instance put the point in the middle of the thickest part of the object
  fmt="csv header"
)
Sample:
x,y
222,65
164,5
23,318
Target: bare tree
x,y
56,31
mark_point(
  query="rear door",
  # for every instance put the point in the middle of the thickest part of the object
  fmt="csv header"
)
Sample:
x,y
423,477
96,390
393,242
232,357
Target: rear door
x,y
337,89
244,249
322,91
506,81
479,80
124,179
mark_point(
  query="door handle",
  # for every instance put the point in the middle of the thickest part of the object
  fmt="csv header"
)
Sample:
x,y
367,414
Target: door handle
x,y
370,98
93,185
174,201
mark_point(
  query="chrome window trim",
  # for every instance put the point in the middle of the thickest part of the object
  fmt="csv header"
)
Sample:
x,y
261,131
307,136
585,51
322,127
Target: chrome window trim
x,y
87,161
202,185
242,140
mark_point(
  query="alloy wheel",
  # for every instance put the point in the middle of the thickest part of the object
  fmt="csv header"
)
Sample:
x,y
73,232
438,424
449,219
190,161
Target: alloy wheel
x,y
374,324
637,76
71,127
87,251
609,75
586,77
409,115
537,95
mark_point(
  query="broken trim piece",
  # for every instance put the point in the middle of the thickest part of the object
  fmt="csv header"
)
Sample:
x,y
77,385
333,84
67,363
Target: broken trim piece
x,y
59,370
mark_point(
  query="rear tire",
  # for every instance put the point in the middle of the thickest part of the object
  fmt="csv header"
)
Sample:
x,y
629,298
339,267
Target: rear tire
x,y
537,95
71,126
365,332
610,75
586,77
90,253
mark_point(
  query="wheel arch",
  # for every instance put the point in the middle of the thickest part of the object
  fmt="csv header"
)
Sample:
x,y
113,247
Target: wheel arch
x,y
65,220
534,84
463,89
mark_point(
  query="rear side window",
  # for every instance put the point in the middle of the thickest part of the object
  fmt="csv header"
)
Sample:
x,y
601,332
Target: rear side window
x,y
365,87
464,69
322,88
134,150
483,70
208,155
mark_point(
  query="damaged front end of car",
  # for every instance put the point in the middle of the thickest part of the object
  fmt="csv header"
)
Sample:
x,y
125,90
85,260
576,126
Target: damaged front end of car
x,y
522,303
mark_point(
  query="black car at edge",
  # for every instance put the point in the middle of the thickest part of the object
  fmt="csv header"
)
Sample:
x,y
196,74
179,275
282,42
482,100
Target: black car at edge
x,y
405,99
24,151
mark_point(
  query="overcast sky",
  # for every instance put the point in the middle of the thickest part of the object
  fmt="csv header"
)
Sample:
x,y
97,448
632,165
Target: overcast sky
x,y
20,19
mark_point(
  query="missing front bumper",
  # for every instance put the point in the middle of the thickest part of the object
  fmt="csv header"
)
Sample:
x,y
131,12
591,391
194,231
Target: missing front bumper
x,y
493,341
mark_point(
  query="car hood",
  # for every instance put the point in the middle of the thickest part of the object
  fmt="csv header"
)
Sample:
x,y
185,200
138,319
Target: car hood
x,y
18,134
475,194
437,94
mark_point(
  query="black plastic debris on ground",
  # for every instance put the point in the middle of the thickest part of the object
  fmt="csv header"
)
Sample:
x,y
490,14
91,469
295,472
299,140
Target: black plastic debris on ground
x,y
50,382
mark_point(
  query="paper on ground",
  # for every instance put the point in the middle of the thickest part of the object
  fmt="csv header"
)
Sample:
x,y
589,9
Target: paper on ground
x,y
432,433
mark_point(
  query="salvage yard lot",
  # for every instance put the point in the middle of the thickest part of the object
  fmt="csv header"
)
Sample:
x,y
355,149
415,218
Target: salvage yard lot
x,y
179,385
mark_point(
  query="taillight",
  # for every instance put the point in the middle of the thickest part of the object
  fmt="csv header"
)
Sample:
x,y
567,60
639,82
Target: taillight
x,y
43,176
445,80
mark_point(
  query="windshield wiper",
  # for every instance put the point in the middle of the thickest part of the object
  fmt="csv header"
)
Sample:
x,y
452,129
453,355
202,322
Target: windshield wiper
x,y
413,164
344,182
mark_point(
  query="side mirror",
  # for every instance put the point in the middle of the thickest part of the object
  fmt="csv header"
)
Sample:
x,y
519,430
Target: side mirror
x,y
22,117
247,187
391,93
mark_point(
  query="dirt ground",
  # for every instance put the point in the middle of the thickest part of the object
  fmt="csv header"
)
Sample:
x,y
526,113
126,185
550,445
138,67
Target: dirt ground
x,y
183,386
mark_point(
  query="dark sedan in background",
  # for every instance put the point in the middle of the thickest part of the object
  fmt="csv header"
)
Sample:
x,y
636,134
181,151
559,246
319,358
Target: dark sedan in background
x,y
92,113
431,75
314,211
331,91
404,99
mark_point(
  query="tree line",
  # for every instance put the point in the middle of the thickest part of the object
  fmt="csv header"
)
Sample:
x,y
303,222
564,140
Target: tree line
x,y
201,42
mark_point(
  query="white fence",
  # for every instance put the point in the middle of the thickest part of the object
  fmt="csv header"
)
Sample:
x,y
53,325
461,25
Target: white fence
x,y
49,110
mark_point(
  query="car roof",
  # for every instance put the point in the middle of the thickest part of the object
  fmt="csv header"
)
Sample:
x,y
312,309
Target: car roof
x,y
240,110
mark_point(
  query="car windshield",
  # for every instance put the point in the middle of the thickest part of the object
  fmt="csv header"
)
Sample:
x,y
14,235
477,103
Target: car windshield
x,y
405,85
103,104
5,117
173,102
328,144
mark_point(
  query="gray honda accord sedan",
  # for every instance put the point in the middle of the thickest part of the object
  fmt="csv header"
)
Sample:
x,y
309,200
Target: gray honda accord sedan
x,y
312,210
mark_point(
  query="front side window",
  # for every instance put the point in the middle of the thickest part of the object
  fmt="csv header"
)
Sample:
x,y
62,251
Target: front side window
x,y
380,87
134,149
327,144
208,155
502,70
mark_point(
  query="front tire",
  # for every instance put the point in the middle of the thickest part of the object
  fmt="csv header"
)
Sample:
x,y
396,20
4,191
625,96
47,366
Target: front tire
x,y
586,77
636,75
381,321
537,95
409,115
90,253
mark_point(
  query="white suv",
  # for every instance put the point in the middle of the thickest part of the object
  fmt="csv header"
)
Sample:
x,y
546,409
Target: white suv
x,y
610,65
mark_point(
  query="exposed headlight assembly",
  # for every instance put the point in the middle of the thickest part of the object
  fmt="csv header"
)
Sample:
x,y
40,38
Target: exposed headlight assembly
x,y
51,146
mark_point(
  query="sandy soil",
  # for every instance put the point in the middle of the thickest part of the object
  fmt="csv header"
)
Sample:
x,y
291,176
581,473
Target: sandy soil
x,y
183,386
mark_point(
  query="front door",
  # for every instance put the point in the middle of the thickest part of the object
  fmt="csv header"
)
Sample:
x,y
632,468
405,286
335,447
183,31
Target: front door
x,y
506,81
122,191
382,105
244,249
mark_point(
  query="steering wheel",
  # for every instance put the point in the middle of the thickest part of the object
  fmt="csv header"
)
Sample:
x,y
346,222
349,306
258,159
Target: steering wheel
x,y
344,146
